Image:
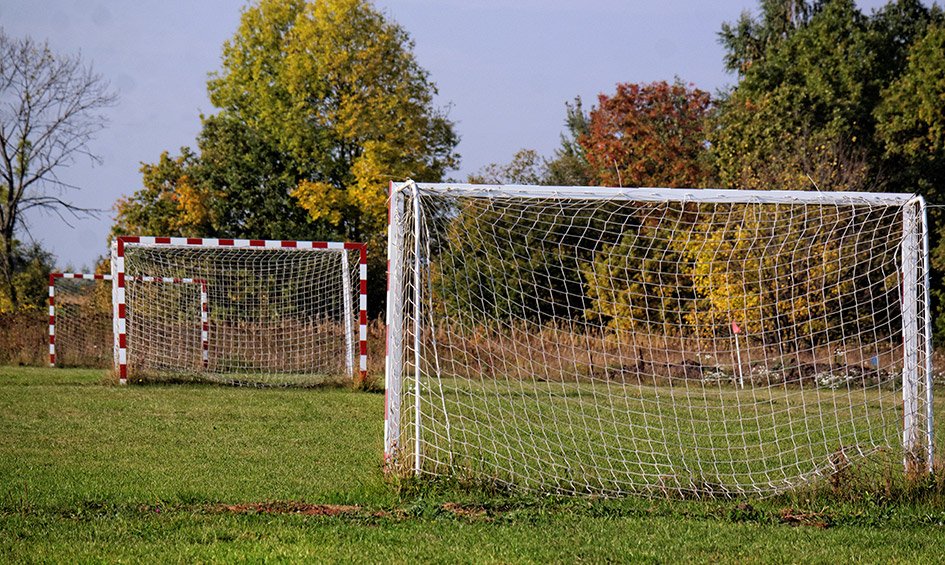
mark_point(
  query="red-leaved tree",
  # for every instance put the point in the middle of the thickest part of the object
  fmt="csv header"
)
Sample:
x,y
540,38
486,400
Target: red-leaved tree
x,y
650,135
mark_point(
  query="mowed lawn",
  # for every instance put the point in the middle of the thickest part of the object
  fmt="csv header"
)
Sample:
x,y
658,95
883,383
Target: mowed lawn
x,y
95,472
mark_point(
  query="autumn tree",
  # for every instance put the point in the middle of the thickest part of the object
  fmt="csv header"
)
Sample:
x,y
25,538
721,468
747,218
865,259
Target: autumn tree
x,y
832,85
793,274
321,104
156,207
911,129
645,135
649,135
335,87
50,110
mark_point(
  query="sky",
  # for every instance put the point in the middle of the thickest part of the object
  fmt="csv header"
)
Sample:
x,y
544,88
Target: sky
x,y
504,70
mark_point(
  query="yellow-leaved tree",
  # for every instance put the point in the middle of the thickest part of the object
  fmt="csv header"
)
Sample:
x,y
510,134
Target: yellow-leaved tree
x,y
336,87
321,104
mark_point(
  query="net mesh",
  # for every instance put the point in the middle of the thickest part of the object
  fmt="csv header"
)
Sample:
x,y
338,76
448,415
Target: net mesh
x,y
612,346
274,317
82,328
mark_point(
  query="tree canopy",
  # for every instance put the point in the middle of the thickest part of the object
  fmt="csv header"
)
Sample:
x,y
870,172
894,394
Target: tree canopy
x,y
335,87
321,104
649,135
844,100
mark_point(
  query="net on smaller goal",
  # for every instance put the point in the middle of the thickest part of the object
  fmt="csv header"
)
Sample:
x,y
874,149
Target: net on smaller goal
x,y
255,312
80,320
656,341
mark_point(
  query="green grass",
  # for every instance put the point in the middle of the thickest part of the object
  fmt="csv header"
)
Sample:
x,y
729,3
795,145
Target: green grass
x,y
615,437
95,472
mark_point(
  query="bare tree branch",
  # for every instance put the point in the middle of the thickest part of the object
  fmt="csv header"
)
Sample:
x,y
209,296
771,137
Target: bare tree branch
x,y
50,109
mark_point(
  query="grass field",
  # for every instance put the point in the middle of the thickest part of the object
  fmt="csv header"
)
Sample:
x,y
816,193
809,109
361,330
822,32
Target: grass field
x,y
95,472
644,438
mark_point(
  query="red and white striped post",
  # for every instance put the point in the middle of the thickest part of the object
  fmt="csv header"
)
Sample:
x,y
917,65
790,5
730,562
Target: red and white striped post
x,y
362,307
393,363
118,266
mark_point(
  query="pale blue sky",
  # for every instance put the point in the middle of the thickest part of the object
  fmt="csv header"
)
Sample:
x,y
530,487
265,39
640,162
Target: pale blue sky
x,y
505,68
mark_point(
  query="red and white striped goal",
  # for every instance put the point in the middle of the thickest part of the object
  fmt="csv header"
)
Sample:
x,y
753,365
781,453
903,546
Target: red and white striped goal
x,y
273,312
82,302
53,279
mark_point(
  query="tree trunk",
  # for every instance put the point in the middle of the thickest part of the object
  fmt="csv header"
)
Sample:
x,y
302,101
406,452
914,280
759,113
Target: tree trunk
x,y
6,269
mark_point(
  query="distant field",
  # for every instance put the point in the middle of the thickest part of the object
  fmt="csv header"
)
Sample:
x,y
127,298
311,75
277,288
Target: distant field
x,y
92,472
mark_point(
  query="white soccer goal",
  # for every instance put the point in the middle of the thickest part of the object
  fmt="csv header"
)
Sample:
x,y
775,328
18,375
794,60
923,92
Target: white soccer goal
x,y
272,312
701,342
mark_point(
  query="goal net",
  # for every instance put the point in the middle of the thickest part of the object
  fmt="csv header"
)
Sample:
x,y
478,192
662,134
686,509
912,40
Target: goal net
x,y
255,312
701,342
80,320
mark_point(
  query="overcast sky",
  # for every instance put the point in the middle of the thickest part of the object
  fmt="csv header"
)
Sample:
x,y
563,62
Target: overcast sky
x,y
505,69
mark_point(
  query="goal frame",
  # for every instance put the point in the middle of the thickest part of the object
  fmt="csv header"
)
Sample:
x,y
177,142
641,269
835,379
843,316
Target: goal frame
x,y
118,288
55,276
914,249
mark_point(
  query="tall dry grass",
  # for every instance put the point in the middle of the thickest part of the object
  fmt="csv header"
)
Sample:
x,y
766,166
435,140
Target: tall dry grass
x,y
559,353
24,338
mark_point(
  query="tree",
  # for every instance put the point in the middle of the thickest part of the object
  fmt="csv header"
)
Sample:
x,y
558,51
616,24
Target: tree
x,y
322,103
911,129
238,185
747,41
335,87
569,166
50,110
911,116
809,70
252,182
157,207
788,274
526,167
817,82
645,135
31,267
649,135
643,280
823,75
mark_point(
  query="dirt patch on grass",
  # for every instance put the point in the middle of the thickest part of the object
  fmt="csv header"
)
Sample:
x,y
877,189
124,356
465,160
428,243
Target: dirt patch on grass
x,y
798,518
289,508
465,511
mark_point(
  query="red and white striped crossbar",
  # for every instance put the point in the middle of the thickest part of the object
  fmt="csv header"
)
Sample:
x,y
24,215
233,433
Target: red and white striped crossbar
x,y
204,332
118,267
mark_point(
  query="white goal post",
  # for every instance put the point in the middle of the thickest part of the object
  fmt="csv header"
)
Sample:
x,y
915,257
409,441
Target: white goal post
x,y
655,340
272,312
